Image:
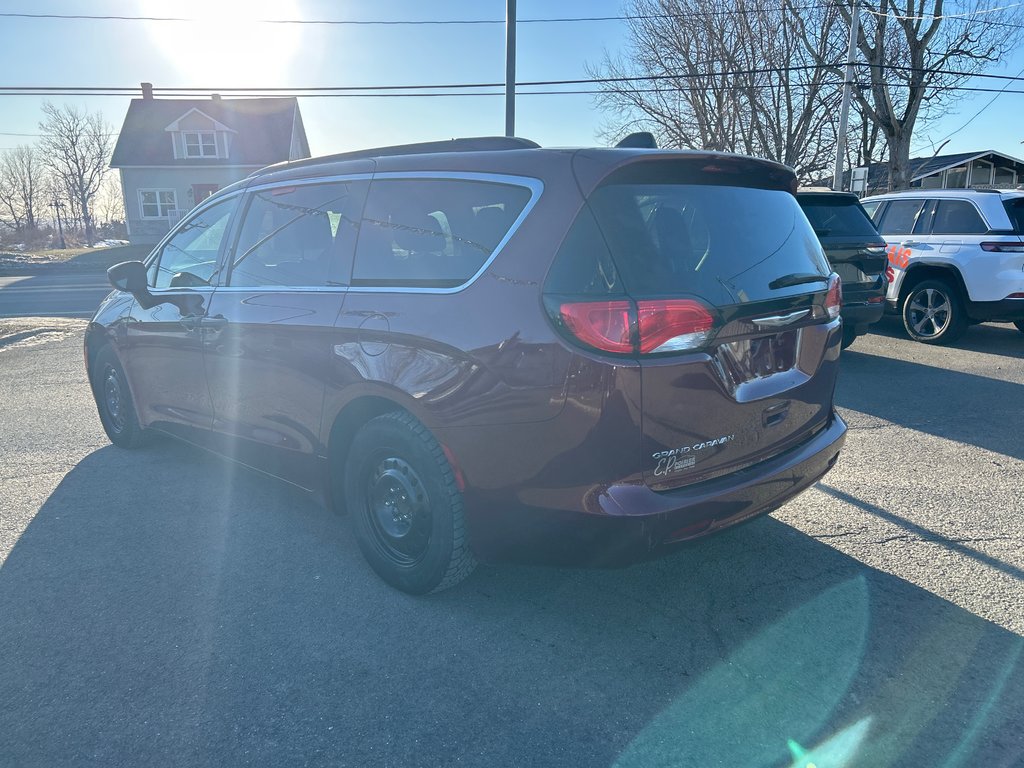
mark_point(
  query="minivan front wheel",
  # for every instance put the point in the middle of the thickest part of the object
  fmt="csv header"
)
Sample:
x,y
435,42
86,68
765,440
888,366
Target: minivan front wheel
x,y
405,505
114,401
933,313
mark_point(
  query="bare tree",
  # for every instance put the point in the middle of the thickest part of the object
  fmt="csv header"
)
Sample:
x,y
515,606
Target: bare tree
x,y
735,76
76,146
21,187
916,58
109,204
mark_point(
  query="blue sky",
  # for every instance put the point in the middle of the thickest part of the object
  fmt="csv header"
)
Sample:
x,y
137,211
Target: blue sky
x,y
224,52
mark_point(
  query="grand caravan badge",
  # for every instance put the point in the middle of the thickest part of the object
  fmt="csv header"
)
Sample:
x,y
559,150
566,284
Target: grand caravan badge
x,y
684,457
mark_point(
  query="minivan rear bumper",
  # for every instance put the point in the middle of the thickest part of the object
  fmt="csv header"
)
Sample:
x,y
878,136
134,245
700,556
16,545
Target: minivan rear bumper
x,y
638,523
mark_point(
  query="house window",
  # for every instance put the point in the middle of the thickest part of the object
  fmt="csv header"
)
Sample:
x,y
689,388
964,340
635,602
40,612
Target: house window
x,y
157,203
200,143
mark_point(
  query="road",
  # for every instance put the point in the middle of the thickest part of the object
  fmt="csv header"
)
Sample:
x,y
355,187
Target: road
x,y
58,294
160,607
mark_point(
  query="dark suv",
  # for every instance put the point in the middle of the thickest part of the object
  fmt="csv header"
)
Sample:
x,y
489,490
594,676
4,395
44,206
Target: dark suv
x,y
481,349
856,252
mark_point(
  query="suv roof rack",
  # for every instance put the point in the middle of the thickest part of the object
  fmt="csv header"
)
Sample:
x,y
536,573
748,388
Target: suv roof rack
x,y
470,144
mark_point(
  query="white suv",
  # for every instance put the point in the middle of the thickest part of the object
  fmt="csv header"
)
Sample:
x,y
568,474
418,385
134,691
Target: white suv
x,y
956,256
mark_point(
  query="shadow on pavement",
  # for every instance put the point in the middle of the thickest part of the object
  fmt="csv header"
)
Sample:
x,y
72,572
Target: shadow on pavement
x,y
992,338
950,404
166,608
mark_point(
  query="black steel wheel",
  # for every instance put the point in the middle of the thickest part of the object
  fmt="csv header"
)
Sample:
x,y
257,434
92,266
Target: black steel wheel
x,y
933,313
405,505
114,401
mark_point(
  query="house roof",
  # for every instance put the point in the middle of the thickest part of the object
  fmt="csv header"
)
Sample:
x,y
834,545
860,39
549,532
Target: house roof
x,y
263,131
919,167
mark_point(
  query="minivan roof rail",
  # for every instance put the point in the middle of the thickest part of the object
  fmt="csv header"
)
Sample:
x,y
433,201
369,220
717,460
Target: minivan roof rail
x,y
470,144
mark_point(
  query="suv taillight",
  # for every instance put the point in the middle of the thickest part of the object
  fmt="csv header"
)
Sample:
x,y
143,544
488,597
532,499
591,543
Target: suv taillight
x,y
834,298
662,325
1003,247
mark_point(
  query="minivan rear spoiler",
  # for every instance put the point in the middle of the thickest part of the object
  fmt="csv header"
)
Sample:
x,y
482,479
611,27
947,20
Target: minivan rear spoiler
x,y
596,167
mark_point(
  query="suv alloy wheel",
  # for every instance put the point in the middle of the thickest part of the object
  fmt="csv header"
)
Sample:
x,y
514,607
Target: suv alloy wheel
x,y
933,313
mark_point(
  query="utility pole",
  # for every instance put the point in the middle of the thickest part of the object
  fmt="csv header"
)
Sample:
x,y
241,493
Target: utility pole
x,y
510,67
60,227
844,110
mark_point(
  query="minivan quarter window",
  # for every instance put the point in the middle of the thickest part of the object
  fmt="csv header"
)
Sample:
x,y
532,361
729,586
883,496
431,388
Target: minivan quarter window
x,y
298,235
190,255
433,233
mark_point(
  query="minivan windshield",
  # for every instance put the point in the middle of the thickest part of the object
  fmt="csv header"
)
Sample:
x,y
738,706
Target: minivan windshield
x,y
725,244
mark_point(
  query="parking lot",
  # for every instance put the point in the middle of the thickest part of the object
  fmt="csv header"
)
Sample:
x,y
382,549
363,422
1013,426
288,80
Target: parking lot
x,y
162,607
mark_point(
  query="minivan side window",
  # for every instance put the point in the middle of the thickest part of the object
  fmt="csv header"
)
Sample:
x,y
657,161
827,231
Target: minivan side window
x,y
900,216
191,253
432,233
298,235
957,217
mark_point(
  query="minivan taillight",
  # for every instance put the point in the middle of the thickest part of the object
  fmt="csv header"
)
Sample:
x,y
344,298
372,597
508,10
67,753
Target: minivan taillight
x,y
834,298
662,325
673,325
604,325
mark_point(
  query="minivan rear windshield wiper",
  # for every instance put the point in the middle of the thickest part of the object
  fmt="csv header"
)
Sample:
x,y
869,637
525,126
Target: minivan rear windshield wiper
x,y
798,279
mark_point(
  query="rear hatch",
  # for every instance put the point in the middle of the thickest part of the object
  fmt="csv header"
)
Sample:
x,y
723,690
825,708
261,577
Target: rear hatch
x,y
852,244
707,273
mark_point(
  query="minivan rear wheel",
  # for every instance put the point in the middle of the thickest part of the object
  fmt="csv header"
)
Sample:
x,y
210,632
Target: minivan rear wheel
x,y
933,313
405,505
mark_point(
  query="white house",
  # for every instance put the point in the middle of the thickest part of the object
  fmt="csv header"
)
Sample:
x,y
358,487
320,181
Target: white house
x,y
173,153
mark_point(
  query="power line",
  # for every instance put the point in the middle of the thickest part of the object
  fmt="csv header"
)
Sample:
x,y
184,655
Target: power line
x,y
560,92
409,22
385,90
927,16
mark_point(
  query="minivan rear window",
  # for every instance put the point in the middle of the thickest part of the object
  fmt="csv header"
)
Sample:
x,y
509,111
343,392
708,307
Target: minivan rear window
x,y
837,217
724,244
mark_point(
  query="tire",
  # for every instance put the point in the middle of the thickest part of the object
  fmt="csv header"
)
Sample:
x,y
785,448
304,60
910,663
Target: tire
x,y
114,401
405,506
849,336
933,313
1019,324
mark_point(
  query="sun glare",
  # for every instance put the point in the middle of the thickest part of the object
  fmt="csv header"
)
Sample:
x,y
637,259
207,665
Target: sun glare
x,y
226,47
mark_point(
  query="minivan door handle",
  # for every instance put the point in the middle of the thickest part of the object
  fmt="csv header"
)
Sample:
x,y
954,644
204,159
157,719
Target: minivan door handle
x,y
190,322
213,323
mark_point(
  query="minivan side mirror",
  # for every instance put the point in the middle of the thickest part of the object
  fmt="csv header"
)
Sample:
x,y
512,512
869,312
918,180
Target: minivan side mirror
x,y
129,276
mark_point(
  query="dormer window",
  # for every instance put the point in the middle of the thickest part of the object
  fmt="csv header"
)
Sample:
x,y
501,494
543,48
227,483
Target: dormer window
x,y
200,143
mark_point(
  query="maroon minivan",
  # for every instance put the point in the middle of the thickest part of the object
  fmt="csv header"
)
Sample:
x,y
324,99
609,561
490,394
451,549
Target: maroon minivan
x,y
485,350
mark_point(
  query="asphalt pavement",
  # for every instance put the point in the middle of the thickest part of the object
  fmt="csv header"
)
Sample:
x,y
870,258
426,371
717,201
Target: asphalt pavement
x,y
161,607
52,293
